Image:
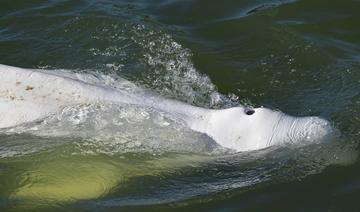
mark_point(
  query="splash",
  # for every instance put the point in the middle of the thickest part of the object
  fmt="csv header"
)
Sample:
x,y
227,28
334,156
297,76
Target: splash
x,y
161,64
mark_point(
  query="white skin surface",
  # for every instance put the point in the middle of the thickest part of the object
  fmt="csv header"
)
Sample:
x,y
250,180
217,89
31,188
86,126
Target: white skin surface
x,y
27,95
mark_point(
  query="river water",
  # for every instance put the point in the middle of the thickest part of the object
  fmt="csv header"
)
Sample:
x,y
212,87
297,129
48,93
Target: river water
x,y
300,57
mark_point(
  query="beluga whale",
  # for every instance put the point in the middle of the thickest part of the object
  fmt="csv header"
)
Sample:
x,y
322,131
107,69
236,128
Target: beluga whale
x,y
28,95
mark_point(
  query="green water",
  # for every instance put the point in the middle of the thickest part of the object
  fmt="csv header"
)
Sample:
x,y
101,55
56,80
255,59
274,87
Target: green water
x,y
300,57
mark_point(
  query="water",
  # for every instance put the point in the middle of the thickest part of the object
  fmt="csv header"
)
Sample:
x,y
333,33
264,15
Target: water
x,y
301,57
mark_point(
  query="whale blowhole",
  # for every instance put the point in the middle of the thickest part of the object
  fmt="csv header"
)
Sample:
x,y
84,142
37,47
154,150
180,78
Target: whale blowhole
x,y
249,111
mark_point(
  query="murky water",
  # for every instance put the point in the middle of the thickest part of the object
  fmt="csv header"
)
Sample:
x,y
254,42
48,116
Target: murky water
x,y
301,57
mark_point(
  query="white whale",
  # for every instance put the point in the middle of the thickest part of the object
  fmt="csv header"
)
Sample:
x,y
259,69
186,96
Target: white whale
x,y
27,95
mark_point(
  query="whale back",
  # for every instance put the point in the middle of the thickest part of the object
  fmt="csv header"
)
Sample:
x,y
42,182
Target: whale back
x,y
13,112
27,95
30,94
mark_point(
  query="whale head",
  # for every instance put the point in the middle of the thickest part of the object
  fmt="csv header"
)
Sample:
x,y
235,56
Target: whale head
x,y
245,129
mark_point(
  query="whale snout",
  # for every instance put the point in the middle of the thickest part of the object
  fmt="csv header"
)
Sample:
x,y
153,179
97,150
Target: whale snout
x,y
312,129
263,127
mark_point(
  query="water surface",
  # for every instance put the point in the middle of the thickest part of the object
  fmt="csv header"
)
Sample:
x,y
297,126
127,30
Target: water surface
x,y
301,57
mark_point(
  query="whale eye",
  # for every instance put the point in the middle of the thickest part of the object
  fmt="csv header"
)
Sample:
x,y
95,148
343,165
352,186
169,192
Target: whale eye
x,y
249,111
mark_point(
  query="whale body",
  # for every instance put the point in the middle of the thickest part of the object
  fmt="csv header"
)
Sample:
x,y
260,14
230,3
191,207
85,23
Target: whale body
x,y
28,95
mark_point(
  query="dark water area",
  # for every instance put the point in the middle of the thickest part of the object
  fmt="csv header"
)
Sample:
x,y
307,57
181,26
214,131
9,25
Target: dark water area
x,y
301,57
